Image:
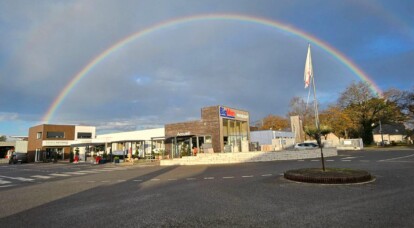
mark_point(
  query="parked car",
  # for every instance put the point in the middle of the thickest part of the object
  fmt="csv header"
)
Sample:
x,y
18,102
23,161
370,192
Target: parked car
x,y
18,157
306,145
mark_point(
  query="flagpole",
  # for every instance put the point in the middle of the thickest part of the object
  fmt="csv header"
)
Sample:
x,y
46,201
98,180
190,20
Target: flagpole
x,y
316,113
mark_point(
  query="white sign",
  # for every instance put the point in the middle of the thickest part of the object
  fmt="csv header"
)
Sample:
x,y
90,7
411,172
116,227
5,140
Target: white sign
x,y
55,143
347,142
183,133
242,116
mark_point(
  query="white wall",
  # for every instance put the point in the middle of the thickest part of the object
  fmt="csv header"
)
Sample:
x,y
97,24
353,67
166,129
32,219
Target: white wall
x,y
134,135
85,129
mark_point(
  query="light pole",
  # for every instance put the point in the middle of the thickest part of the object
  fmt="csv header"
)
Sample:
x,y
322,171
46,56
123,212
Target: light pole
x,y
382,136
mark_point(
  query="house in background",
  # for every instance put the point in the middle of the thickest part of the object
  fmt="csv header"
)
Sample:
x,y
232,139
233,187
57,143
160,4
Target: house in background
x,y
389,133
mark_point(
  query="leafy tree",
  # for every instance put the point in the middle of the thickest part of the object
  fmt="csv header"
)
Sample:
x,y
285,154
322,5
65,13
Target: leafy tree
x,y
3,138
339,121
274,122
366,109
315,133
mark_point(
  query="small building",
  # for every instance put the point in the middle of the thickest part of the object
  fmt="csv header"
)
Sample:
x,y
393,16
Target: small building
x,y
269,140
390,133
221,129
14,143
47,139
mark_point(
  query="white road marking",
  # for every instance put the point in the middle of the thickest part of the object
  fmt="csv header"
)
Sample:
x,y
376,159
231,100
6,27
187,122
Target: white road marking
x,y
87,171
346,160
5,186
41,177
266,175
76,173
4,182
396,158
18,178
155,180
208,178
138,180
246,176
228,177
59,175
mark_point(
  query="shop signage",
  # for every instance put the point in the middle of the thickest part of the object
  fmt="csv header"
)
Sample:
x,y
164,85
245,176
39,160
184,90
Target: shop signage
x,y
183,133
242,116
55,143
227,112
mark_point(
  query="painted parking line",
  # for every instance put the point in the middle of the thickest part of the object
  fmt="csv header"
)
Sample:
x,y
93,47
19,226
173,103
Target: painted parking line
x,y
346,160
137,180
208,178
59,175
155,179
228,177
41,177
247,176
266,175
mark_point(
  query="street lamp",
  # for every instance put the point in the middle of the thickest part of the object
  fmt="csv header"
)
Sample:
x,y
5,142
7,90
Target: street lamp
x,y
382,136
380,131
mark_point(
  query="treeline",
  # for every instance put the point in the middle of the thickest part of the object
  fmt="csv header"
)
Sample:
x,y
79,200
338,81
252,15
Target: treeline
x,y
355,114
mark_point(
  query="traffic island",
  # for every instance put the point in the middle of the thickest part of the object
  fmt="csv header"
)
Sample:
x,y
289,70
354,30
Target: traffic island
x,y
329,176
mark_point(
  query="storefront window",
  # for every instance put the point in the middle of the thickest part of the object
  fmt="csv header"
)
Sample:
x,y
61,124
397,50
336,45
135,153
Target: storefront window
x,y
234,132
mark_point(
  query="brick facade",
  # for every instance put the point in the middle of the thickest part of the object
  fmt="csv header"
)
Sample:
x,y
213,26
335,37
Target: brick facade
x,y
210,125
35,143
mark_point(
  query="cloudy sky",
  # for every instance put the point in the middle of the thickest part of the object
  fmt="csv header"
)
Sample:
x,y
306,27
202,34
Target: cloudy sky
x,y
169,74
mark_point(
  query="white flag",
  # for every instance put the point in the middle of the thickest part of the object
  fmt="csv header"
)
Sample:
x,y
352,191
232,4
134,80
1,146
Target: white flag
x,y
308,69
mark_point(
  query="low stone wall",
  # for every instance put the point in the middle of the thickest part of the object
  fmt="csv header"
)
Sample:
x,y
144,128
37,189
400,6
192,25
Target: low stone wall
x,y
228,158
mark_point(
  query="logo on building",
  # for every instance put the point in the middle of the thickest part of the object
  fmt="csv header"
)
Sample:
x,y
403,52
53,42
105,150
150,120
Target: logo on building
x,y
227,112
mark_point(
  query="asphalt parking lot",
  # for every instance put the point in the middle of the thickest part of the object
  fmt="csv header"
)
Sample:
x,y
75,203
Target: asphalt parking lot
x,y
242,195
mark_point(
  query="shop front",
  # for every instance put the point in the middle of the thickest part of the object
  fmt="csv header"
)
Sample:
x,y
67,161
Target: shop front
x,y
221,129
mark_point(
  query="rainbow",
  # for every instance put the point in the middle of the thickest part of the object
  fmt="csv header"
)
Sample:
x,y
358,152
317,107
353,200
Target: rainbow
x,y
208,17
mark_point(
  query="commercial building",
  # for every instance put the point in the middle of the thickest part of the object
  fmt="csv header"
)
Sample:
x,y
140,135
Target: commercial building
x,y
141,143
221,129
270,140
47,139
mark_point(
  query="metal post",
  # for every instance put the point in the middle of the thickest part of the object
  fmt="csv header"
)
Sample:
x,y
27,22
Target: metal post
x,y
317,122
382,136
